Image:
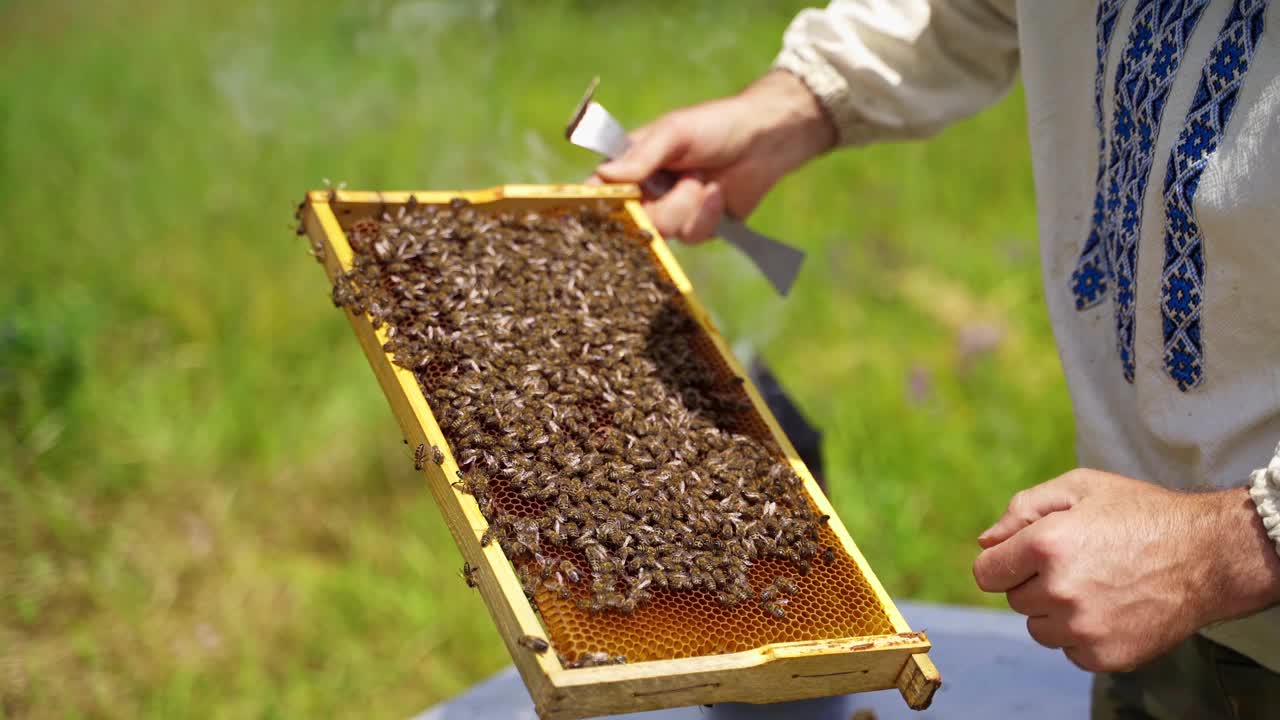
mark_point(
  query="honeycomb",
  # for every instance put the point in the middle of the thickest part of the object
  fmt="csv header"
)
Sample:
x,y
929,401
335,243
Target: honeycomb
x,y
834,598
835,601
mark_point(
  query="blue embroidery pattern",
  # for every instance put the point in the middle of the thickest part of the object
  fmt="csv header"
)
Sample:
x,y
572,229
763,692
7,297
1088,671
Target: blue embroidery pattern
x,y
1089,280
1182,280
1156,53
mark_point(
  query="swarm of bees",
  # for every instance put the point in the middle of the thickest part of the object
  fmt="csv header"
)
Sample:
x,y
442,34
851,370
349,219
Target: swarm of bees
x,y
611,456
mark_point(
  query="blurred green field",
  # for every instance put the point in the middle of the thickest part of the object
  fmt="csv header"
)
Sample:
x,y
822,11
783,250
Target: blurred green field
x,y
205,506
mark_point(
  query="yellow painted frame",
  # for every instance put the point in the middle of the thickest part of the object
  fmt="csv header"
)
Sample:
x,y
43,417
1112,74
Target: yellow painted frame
x,y
774,673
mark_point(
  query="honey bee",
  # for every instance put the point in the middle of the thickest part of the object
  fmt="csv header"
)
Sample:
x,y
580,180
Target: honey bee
x,y
333,190
469,573
419,456
787,585
529,584
558,588
774,610
570,572
592,659
829,555
536,644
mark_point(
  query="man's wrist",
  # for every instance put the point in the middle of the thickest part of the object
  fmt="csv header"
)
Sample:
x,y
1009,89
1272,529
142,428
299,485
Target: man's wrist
x,y
793,119
1243,569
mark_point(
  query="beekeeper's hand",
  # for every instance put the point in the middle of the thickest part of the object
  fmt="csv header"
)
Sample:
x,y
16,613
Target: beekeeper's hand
x,y
1117,571
729,153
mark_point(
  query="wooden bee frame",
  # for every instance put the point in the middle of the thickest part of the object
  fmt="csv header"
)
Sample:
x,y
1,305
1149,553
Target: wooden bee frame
x,y
772,673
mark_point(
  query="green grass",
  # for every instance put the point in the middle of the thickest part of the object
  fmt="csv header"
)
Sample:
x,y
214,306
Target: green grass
x,y
205,507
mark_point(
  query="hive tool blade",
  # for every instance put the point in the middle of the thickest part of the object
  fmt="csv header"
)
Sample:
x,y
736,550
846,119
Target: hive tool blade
x,y
593,128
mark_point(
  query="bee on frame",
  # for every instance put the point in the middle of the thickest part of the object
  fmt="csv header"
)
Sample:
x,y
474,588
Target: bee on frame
x,y
535,644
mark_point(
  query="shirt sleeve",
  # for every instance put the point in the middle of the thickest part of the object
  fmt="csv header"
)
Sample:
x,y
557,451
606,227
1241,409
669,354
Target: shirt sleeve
x,y
899,69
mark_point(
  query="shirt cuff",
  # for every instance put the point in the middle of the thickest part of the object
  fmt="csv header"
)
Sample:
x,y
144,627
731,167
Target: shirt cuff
x,y
832,91
1264,488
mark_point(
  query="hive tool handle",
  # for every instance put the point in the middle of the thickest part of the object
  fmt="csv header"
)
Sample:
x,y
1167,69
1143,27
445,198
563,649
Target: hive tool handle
x,y
593,128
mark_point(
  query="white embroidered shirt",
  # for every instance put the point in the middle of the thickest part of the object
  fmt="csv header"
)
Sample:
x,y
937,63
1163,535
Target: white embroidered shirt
x,y
1155,138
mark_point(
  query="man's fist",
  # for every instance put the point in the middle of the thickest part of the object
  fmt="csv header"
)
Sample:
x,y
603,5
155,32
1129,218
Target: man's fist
x,y
1116,571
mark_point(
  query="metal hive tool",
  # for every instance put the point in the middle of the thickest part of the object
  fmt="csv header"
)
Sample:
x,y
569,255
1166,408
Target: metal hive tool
x,y
593,128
